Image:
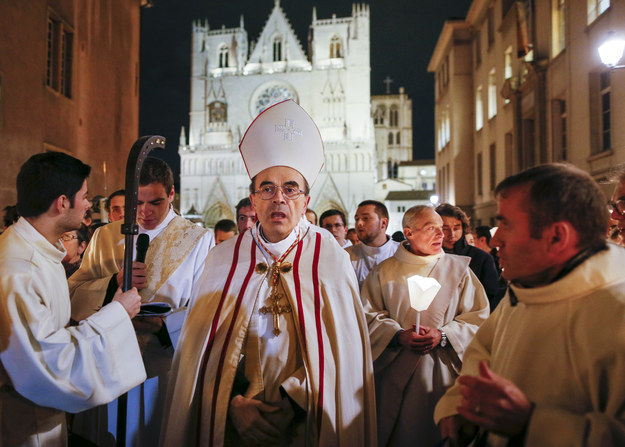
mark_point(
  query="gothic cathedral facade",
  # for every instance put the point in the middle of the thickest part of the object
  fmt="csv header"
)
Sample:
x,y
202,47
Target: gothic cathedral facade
x,y
232,81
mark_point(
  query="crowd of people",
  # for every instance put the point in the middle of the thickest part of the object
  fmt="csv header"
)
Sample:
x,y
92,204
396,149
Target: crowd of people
x,y
282,327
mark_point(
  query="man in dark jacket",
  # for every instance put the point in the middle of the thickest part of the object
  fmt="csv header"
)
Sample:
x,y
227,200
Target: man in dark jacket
x,y
455,225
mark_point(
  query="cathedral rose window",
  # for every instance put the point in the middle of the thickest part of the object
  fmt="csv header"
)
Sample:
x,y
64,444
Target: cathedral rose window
x,y
271,94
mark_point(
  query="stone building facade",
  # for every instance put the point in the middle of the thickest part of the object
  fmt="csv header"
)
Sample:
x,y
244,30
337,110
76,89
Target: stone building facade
x,y
521,83
69,81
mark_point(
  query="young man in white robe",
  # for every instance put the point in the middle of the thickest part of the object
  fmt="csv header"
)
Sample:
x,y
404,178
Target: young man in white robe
x,y
174,260
46,366
334,221
547,367
413,368
375,245
275,349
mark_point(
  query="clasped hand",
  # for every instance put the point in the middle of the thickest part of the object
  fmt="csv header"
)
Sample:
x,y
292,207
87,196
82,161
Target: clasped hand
x,y
259,423
423,342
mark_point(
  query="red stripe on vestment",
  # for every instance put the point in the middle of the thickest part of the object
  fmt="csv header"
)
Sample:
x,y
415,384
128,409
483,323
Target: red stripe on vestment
x,y
315,276
222,359
298,292
211,337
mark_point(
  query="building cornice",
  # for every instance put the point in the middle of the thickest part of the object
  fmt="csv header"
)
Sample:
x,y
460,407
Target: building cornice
x,y
444,41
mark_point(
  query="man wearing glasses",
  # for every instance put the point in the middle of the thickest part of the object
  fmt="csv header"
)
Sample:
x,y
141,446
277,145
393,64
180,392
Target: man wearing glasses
x,y
275,349
334,222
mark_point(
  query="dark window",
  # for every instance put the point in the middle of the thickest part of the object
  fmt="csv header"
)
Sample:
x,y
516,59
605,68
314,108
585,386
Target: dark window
x,y
478,48
277,49
491,26
60,47
394,116
223,57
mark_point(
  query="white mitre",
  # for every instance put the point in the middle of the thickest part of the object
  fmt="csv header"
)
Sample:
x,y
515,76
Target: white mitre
x,y
283,135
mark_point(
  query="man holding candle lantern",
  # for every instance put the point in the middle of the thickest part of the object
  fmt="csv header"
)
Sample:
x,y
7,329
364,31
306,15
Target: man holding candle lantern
x,y
413,368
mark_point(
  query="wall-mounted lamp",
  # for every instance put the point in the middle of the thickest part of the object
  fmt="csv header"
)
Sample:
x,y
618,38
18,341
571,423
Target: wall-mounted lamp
x,y
611,51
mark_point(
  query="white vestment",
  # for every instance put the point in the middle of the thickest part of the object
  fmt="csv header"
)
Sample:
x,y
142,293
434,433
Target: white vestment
x,y
49,368
321,359
409,384
563,345
364,257
173,284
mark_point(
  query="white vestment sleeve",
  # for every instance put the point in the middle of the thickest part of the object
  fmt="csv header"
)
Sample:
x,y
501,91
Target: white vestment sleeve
x,y
473,309
382,328
296,387
73,368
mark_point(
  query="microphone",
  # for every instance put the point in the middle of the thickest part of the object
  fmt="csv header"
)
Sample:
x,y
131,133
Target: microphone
x,y
143,242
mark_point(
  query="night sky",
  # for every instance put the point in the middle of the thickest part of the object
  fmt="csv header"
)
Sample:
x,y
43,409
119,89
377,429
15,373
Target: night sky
x,y
403,36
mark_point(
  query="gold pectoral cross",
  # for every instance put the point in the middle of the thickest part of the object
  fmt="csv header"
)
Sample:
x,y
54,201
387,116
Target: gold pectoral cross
x,y
274,307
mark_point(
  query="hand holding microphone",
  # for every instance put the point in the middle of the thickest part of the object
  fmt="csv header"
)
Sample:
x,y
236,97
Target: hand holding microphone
x,y
139,279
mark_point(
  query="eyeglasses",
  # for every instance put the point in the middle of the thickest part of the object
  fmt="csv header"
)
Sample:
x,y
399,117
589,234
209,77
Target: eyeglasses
x,y
268,192
618,207
68,237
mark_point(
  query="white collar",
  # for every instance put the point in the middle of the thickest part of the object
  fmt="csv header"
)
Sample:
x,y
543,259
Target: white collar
x,y
160,227
275,248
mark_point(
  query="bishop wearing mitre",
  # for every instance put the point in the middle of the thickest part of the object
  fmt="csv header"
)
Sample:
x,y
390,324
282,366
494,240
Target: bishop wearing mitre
x,y
275,349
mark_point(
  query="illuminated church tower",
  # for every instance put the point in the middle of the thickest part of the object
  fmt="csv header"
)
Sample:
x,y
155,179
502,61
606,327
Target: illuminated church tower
x,y
233,80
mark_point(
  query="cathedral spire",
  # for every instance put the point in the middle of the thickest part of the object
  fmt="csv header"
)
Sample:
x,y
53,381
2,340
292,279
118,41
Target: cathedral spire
x,y
183,137
241,24
314,18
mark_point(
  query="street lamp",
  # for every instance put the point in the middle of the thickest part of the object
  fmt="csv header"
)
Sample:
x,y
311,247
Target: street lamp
x,y
611,51
434,199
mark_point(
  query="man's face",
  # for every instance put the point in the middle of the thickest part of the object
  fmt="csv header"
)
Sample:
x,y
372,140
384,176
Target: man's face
x,y
619,194
246,219
221,236
77,209
117,208
72,246
153,205
353,237
470,239
481,243
369,226
452,231
311,217
334,224
523,258
279,215
425,235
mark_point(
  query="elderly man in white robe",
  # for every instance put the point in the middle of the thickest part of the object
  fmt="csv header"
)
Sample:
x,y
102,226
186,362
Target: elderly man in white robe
x,y
413,368
174,260
46,366
547,367
275,349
